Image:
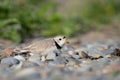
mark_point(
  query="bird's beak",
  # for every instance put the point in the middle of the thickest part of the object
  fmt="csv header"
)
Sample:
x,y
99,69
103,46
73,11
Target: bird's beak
x,y
66,42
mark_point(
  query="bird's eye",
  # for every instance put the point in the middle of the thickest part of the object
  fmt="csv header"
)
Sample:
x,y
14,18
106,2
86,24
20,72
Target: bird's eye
x,y
64,37
60,39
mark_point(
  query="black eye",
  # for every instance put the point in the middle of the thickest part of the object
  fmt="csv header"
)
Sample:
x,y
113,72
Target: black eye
x,y
60,39
77,53
64,37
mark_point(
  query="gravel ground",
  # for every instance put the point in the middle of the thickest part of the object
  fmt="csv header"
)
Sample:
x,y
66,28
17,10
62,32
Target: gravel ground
x,y
98,60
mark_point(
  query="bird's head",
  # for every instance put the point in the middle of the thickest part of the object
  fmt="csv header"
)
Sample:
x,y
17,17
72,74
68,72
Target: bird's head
x,y
60,41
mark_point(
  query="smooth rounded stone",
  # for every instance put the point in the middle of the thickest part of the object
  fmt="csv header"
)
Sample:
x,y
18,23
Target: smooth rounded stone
x,y
61,60
93,51
75,56
104,61
108,56
116,52
28,64
17,67
70,52
10,60
51,56
21,58
95,56
28,73
107,52
81,53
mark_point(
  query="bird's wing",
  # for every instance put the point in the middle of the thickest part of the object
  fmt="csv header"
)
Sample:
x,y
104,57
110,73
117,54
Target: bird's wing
x,y
41,45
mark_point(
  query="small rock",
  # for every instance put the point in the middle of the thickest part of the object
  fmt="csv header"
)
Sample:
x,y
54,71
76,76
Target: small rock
x,y
108,56
107,52
21,58
76,56
60,60
95,56
28,64
104,61
10,61
116,52
82,54
17,67
93,51
51,56
70,52
72,62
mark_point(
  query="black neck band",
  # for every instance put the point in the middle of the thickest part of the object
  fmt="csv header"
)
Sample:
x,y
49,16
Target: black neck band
x,y
57,45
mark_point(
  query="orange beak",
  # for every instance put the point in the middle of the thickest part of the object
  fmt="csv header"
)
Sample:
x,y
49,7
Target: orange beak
x,y
66,42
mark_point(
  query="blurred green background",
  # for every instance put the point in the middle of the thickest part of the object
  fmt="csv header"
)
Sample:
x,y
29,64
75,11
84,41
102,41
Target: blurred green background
x,y
20,19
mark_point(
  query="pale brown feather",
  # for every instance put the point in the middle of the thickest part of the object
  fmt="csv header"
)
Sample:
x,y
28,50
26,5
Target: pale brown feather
x,y
39,46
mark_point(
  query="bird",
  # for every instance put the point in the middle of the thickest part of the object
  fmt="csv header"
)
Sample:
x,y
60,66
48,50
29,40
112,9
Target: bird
x,y
45,46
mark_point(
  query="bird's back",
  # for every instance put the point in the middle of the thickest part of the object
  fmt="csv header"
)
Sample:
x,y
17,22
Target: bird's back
x,y
39,46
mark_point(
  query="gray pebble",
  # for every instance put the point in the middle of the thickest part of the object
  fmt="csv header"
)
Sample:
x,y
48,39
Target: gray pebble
x,y
107,51
19,57
10,61
51,56
28,64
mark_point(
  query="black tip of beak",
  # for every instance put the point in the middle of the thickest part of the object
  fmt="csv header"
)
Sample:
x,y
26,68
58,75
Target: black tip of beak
x,y
64,37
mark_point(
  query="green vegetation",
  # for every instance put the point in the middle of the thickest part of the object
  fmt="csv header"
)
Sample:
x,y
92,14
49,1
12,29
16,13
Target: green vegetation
x,y
20,19
101,11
